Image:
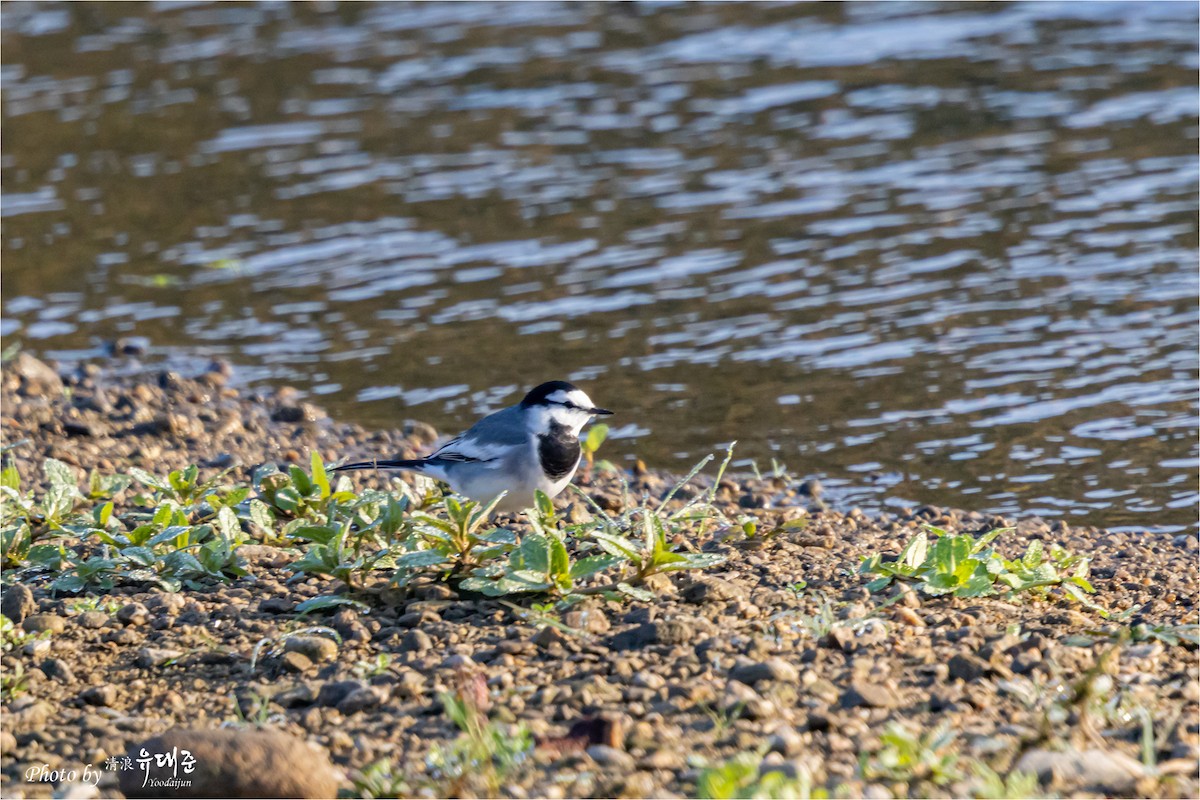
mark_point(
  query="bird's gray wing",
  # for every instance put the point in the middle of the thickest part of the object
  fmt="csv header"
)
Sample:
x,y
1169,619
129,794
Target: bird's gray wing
x,y
492,438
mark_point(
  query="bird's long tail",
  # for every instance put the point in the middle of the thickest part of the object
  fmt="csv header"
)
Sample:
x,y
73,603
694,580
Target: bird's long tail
x,y
415,464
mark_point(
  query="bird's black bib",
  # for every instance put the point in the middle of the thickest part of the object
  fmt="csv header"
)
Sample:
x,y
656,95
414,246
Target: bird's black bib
x,y
558,451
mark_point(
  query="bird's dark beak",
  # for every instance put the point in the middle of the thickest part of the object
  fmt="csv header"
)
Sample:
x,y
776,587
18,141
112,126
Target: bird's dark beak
x,y
600,412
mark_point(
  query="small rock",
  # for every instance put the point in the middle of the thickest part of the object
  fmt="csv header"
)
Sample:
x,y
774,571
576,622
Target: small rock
x,y
38,648
416,641
591,620
232,762
102,695
296,662
29,717
548,637
773,669
58,670
811,488
299,695
649,680
149,657
17,602
335,692
276,605
38,379
133,614
711,590
967,667
348,626
360,699
92,620
785,741
871,695
1105,770
317,648
44,623
607,756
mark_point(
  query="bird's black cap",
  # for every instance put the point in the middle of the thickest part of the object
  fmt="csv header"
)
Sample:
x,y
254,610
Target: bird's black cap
x,y
539,395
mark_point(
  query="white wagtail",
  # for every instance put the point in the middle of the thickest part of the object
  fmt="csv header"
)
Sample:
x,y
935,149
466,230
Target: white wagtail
x,y
520,449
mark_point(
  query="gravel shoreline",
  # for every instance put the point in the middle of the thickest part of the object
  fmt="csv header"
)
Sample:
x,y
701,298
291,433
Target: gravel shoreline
x,y
625,698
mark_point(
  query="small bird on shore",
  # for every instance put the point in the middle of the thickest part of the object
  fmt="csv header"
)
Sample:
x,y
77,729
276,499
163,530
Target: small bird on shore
x,y
519,450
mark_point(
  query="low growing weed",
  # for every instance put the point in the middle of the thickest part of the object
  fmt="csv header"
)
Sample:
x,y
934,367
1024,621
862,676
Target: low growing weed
x,y
961,565
186,528
484,752
743,777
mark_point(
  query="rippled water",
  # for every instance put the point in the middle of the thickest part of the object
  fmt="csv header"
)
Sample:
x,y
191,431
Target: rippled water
x,y
935,254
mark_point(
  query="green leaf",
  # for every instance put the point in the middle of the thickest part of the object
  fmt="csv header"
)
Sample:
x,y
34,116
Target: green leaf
x,y
586,567
533,553
595,437
319,476
975,586
914,553
420,558
636,592
262,516
148,480
697,560
228,522
560,561
10,477
60,475
499,536
617,546
300,481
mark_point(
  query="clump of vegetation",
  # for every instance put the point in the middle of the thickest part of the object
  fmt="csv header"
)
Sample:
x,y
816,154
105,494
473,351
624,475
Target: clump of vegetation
x,y
185,530
743,777
484,752
963,566
906,757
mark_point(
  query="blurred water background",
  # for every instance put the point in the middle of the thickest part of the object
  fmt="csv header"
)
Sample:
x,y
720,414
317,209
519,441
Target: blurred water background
x,y
931,253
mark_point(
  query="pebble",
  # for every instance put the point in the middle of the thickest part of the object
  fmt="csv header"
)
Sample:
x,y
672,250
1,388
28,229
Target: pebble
x,y
416,641
44,623
773,669
133,614
299,695
17,602
1107,770
334,692
58,670
317,648
967,667
361,699
102,695
296,662
149,657
607,756
871,695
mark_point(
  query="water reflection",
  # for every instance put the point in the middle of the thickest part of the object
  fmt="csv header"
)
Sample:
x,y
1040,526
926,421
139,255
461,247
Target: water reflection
x,y
932,253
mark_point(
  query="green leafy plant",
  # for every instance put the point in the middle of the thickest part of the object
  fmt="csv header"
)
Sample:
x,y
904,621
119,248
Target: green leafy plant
x,y
14,682
484,752
907,757
961,565
457,542
1014,785
743,776
379,779
371,669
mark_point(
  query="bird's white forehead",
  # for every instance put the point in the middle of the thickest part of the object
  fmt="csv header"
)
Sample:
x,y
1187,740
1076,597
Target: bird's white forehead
x,y
574,396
